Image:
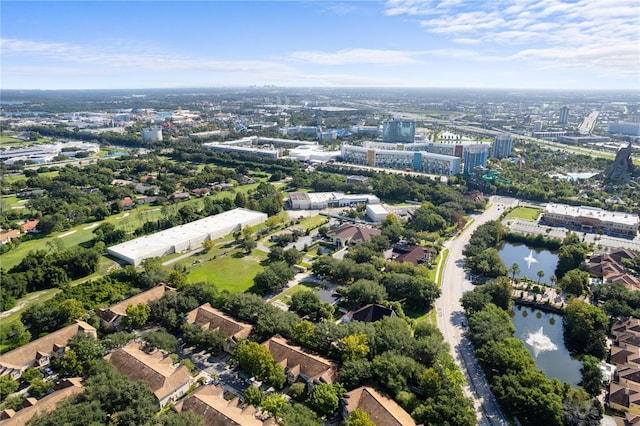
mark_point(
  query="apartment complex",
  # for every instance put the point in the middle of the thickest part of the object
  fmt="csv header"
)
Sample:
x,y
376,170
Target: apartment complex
x,y
475,156
502,145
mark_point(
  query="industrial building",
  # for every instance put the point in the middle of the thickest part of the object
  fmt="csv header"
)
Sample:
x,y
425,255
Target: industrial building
x,y
377,212
185,237
323,200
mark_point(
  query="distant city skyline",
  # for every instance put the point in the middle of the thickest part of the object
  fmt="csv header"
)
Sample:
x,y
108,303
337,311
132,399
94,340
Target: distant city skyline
x,y
520,44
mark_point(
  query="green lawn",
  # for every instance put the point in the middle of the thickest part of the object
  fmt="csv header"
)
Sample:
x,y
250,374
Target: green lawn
x,y
285,296
526,213
231,272
313,222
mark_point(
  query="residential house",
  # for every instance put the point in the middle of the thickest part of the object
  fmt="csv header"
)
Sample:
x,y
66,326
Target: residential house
x,y
372,313
624,399
201,192
381,409
300,364
40,352
6,237
213,319
624,389
30,226
127,203
32,407
146,200
167,382
113,316
610,268
179,196
351,235
209,402
416,255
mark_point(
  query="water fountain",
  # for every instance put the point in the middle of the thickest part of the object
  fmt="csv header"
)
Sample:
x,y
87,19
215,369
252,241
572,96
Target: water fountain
x,y
539,342
530,259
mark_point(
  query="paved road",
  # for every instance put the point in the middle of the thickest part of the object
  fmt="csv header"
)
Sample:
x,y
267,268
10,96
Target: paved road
x,y
451,317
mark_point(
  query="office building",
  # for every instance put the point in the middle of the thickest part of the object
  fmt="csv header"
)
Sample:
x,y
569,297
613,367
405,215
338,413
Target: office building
x,y
564,115
475,156
152,134
502,146
591,219
399,130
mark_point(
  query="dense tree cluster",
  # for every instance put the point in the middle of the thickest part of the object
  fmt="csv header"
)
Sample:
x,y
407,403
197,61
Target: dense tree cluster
x,y
41,270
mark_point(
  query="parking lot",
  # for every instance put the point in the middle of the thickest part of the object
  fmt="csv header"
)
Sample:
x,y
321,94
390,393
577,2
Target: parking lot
x,y
217,369
599,240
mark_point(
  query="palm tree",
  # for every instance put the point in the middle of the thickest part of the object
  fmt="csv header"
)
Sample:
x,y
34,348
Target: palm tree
x,y
553,279
540,275
515,270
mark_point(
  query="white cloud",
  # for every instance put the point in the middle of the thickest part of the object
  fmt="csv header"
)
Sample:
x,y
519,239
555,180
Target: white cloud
x,y
134,59
582,33
356,56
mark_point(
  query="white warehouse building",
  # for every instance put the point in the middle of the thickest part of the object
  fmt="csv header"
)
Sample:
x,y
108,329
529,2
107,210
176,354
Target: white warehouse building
x,y
185,237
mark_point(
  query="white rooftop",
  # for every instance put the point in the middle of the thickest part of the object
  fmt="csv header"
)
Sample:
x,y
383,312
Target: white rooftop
x,y
594,212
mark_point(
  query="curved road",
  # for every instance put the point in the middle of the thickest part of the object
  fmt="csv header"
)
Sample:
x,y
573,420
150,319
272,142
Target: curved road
x,y
451,317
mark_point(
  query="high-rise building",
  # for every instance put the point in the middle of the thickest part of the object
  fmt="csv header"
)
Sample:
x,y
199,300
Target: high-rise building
x,y
399,130
501,146
564,115
475,156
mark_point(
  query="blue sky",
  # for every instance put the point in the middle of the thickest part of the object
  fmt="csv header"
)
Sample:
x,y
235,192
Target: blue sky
x,y
552,44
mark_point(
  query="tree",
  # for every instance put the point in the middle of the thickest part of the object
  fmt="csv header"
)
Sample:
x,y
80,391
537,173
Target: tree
x,y
7,386
39,387
515,270
591,375
254,396
365,291
490,324
358,417
137,315
275,404
575,282
354,346
299,415
298,391
585,329
161,339
540,274
355,372
30,374
255,360
323,399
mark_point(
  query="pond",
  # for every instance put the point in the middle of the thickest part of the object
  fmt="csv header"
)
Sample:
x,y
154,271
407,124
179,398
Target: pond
x,y
530,260
542,334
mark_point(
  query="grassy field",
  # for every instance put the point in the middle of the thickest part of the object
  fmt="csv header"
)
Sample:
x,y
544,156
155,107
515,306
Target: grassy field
x,y
14,178
233,272
526,213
